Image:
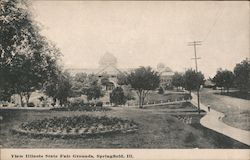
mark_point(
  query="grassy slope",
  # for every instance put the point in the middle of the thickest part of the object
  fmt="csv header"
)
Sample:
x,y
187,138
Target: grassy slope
x,y
236,110
157,130
237,94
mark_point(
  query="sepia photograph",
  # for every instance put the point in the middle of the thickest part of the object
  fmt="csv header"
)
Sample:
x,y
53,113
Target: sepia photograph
x,y
138,75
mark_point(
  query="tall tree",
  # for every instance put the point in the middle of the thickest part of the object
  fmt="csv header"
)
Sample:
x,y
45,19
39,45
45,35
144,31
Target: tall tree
x,y
59,87
193,80
79,84
143,80
92,88
94,91
26,57
224,79
177,80
80,77
122,78
242,75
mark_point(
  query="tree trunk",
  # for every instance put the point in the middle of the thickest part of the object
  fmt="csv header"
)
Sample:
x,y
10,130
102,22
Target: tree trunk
x,y
61,103
27,97
21,99
142,103
54,102
140,99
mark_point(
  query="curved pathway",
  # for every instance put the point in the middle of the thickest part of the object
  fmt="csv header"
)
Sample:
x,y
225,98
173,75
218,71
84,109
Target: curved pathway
x,y
213,120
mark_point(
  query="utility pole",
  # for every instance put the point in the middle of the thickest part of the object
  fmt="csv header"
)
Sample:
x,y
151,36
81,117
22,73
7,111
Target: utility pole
x,y
196,43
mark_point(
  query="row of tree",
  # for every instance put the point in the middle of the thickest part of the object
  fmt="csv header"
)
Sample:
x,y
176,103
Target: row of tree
x,y
142,80
239,78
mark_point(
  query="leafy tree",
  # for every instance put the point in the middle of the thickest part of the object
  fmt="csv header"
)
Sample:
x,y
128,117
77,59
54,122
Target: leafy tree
x,y
79,84
128,92
143,80
26,58
64,88
177,80
105,81
160,90
6,88
91,80
80,77
117,96
59,88
122,78
224,79
94,91
84,84
242,76
193,80
6,93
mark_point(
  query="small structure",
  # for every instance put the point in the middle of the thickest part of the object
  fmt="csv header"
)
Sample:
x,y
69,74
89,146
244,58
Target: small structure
x,y
166,75
209,84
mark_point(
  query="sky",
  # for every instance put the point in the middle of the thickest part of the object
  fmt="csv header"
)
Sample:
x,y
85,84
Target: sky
x,y
143,33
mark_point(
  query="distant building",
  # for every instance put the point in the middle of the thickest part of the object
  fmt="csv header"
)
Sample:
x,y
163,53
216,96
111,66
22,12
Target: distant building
x,y
108,69
209,84
166,75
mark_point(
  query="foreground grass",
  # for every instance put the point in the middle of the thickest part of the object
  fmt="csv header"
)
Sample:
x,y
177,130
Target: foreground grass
x,y
158,128
236,110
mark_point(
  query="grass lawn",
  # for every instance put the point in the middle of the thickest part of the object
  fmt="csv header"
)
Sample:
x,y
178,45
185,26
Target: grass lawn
x,y
158,128
157,98
236,94
236,109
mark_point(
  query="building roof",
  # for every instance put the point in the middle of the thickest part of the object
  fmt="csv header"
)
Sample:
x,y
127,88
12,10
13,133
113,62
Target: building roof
x,y
110,70
165,71
108,59
88,71
209,83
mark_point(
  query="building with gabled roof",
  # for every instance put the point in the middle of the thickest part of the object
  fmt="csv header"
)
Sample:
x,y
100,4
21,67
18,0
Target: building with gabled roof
x,y
108,69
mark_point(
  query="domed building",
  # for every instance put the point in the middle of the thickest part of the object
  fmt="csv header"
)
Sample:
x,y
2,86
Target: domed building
x,y
107,73
166,75
108,59
108,66
108,69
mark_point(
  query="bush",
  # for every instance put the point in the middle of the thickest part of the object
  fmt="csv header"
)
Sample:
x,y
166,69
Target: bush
x,y
92,104
87,104
117,96
160,90
41,98
76,102
99,104
31,104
